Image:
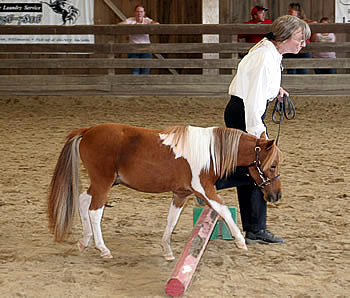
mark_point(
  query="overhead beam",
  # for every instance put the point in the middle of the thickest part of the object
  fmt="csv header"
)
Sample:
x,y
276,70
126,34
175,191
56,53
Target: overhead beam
x,y
115,9
210,15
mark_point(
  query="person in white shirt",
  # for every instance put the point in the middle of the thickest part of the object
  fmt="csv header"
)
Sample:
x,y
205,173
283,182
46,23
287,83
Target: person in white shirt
x,y
139,18
256,83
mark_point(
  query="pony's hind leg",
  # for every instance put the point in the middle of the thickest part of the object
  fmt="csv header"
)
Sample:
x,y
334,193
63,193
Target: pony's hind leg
x,y
84,204
96,217
91,222
99,192
101,169
175,209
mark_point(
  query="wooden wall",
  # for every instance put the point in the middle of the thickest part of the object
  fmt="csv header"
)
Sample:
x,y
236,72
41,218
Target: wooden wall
x,y
189,12
163,11
179,12
38,69
314,9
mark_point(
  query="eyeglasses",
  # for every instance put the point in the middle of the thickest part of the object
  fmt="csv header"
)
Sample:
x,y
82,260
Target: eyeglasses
x,y
302,41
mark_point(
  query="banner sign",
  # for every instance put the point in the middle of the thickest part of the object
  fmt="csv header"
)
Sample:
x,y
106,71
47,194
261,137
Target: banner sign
x,y
342,11
50,12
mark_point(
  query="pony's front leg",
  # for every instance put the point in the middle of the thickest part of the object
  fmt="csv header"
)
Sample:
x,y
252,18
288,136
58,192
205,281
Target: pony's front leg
x,y
225,213
173,217
84,204
217,204
96,217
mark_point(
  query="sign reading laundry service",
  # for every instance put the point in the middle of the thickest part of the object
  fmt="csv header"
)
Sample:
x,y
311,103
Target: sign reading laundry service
x,y
50,12
20,7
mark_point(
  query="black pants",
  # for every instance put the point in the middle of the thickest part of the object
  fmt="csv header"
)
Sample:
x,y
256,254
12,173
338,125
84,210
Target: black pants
x,y
251,200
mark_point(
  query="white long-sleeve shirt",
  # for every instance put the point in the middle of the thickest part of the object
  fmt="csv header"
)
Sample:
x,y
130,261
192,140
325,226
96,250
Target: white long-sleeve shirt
x,y
258,80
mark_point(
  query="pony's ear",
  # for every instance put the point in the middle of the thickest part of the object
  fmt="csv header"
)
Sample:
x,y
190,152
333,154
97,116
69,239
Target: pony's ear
x,y
269,144
263,136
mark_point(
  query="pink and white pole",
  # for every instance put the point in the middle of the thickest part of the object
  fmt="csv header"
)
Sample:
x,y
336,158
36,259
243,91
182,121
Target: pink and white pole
x,y
187,264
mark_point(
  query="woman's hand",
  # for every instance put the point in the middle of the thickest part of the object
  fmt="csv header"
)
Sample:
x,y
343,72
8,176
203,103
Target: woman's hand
x,y
281,94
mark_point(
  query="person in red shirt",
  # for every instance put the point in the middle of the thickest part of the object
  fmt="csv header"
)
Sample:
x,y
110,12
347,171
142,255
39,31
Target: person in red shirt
x,y
258,14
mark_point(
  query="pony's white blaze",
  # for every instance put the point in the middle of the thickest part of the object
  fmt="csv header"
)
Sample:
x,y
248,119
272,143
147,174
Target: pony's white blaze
x,y
84,204
202,139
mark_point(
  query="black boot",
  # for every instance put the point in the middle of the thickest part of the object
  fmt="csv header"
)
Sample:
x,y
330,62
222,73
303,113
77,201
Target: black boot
x,y
262,237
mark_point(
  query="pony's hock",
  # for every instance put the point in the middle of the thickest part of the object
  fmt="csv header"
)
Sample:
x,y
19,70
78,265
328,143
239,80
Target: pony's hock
x,y
221,230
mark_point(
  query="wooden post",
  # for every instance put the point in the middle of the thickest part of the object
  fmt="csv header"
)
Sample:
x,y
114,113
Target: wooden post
x,y
210,15
187,264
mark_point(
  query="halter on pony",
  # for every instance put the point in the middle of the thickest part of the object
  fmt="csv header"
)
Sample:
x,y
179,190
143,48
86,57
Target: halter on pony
x,y
256,163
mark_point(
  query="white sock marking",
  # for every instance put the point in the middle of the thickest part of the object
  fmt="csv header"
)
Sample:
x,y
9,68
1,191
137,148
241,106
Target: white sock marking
x,y
96,217
225,213
173,217
84,204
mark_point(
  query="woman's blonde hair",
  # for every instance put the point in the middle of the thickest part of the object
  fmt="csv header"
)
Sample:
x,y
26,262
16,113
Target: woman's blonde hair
x,y
284,27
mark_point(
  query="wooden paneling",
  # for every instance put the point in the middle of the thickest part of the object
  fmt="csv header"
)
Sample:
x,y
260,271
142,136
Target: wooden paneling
x,y
314,9
160,85
173,29
96,49
95,68
91,63
189,12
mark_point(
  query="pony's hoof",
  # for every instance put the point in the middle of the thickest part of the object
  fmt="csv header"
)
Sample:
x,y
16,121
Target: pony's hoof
x,y
81,246
106,255
241,245
169,257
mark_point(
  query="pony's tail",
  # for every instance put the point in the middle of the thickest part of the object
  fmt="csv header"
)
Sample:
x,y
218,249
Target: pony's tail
x,y
64,187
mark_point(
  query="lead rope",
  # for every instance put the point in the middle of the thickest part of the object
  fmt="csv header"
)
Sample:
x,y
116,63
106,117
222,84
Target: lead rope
x,y
286,108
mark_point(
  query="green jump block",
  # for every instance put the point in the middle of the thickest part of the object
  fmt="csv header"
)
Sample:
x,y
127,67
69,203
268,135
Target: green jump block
x,y
221,231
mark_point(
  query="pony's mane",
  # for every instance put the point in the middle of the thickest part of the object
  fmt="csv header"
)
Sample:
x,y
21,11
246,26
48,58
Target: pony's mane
x,y
227,141
273,154
199,146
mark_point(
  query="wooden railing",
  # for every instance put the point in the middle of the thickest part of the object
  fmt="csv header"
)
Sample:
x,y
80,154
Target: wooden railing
x,y
102,68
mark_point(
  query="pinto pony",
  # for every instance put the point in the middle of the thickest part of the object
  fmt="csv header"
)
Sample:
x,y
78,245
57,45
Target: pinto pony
x,y
182,159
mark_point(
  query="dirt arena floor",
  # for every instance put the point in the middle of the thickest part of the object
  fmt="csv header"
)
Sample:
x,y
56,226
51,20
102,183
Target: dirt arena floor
x,y
313,215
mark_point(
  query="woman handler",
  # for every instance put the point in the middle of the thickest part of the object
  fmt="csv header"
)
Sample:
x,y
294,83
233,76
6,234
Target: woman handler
x,y
258,81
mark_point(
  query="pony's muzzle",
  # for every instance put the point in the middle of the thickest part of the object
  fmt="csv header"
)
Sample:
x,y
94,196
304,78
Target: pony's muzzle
x,y
273,198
